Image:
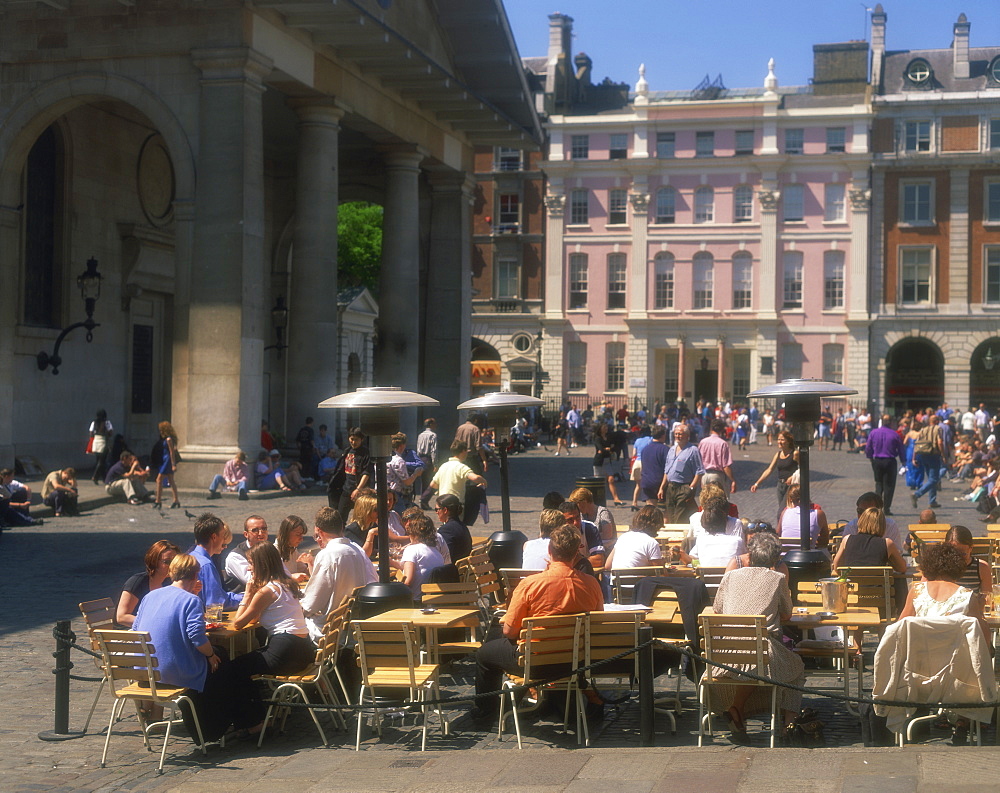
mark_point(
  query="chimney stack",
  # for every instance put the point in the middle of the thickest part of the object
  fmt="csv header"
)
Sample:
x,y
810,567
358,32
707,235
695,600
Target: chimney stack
x,y
960,48
878,45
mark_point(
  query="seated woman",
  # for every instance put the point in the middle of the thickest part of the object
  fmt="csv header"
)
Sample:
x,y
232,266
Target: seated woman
x,y
173,616
158,558
292,474
290,534
710,492
235,477
420,556
452,530
743,560
760,589
596,514
269,474
272,598
59,492
439,540
715,547
638,546
789,526
977,576
363,528
869,547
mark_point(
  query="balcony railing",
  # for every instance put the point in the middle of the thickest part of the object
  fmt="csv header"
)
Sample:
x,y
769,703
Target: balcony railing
x,y
507,165
506,228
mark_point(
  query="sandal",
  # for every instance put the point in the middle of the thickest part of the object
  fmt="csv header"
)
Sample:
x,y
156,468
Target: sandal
x,y
735,720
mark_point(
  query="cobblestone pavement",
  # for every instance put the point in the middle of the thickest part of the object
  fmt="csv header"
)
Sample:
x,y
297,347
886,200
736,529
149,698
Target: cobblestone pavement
x,y
49,569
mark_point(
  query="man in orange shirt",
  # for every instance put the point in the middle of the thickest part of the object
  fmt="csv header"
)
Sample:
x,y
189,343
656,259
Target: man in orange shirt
x,y
559,589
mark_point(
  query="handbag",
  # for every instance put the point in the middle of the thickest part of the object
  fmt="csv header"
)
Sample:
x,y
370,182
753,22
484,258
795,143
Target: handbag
x,y
90,445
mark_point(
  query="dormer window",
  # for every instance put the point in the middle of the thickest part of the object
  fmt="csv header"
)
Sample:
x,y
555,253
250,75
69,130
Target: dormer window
x,y
994,70
918,72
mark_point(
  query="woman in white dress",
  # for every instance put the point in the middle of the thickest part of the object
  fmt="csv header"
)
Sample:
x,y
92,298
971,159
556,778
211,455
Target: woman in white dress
x,y
939,594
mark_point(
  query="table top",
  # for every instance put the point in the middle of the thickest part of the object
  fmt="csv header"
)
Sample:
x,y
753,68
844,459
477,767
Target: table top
x,y
227,628
442,618
854,617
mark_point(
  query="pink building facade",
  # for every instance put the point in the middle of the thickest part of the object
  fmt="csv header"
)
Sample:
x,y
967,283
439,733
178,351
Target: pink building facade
x,y
703,244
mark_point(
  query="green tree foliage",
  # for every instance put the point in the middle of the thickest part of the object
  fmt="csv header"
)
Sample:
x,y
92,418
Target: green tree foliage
x,y
359,245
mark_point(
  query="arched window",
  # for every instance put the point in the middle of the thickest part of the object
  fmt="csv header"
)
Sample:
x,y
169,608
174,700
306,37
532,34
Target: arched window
x,y
666,204
663,283
704,205
703,277
43,204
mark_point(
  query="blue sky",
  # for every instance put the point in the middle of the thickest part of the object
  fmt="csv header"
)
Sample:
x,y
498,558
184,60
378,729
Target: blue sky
x,y
681,41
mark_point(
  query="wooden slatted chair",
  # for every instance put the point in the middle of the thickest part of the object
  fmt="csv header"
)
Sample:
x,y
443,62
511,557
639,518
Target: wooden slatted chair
x,y
623,582
547,645
464,595
712,576
607,634
480,569
390,659
510,577
923,533
129,656
97,614
734,640
668,627
286,688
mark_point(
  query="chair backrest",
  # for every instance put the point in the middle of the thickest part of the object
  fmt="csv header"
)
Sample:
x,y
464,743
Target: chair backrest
x,y
712,576
462,595
872,587
623,581
98,614
929,532
735,640
387,645
510,577
128,656
550,641
608,633
480,569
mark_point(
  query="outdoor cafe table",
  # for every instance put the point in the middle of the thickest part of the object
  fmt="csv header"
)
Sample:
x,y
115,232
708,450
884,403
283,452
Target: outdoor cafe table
x,y
238,641
429,623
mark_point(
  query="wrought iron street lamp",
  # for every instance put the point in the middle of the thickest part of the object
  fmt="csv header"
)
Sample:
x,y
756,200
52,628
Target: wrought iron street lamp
x,y
89,283
378,408
802,399
279,321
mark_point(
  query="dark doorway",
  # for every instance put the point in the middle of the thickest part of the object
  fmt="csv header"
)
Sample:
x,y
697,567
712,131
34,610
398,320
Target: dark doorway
x,y
706,384
914,376
984,368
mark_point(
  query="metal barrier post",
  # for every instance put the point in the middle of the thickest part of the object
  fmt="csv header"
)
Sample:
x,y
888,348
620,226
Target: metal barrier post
x,y
646,686
64,641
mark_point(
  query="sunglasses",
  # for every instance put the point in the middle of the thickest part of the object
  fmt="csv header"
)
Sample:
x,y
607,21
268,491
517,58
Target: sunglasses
x,y
759,526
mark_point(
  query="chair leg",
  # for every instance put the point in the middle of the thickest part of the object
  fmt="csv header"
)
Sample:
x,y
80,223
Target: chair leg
x,y
312,712
581,716
774,715
93,707
197,722
163,751
422,699
115,710
361,715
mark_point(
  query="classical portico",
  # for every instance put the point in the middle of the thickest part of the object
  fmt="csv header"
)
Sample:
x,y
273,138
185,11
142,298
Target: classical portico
x,y
206,180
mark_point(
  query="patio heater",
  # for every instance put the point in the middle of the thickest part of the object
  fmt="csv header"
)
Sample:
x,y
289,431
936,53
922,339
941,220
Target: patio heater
x,y
501,409
378,409
802,398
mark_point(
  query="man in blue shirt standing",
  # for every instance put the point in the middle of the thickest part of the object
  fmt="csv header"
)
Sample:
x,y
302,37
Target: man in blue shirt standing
x,y
651,459
209,537
683,466
884,447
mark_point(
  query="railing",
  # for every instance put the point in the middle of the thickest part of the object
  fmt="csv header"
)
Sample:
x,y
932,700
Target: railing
x,y
506,228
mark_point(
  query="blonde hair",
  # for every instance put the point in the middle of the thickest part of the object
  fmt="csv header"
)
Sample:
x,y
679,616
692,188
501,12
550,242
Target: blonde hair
x,y
710,491
581,496
548,520
364,506
184,567
872,521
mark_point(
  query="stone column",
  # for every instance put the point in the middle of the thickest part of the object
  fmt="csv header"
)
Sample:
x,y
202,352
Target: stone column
x,y
226,319
857,275
681,365
768,252
398,357
448,320
10,234
639,275
721,384
555,205
312,303
958,243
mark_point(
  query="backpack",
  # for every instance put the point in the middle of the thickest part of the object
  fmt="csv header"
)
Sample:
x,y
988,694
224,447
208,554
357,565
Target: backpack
x,y
927,441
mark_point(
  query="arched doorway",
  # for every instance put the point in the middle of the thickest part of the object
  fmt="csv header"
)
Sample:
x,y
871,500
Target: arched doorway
x,y
486,368
914,375
984,380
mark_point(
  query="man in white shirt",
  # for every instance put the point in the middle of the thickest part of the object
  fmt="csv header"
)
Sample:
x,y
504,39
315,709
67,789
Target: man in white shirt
x,y
535,553
237,566
968,423
982,422
872,500
638,546
337,569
